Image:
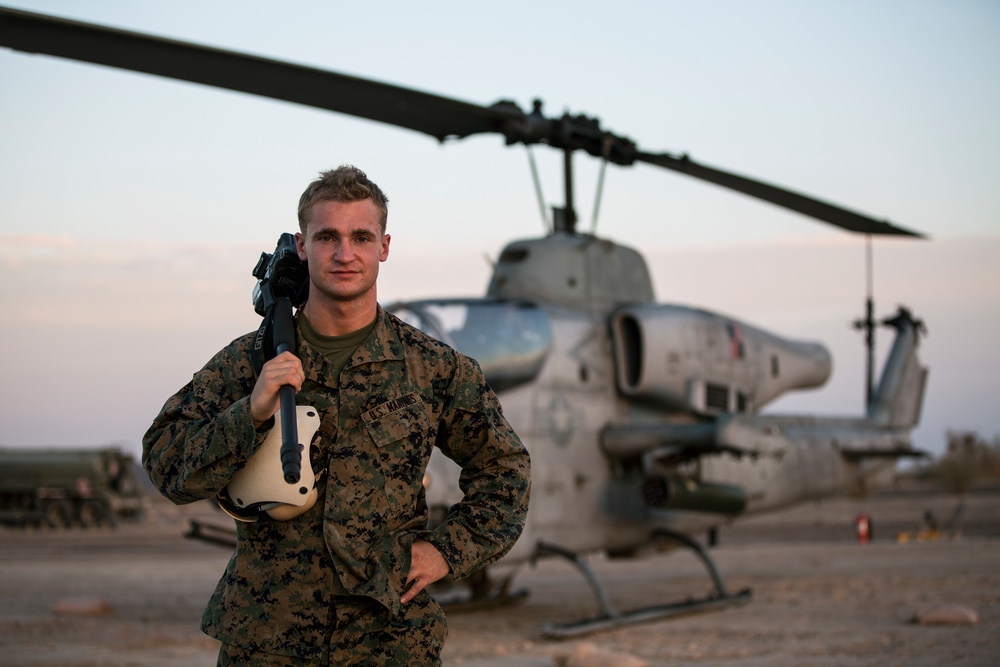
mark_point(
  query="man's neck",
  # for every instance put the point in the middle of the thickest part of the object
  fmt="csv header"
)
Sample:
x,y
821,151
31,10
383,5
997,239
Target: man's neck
x,y
337,318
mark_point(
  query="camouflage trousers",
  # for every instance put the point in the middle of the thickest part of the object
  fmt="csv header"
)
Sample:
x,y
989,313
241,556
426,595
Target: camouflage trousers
x,y
364,634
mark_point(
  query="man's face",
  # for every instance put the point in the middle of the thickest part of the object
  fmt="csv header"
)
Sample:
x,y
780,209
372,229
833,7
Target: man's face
x,y
343,244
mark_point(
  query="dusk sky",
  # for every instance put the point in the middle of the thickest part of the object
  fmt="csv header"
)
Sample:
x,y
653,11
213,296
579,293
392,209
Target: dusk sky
x,y
133,208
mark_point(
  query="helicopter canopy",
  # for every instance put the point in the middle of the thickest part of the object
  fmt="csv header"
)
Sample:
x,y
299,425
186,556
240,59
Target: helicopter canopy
x,y
509,340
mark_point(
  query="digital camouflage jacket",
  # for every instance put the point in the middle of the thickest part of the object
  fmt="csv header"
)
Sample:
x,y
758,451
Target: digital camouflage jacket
x,y
401,394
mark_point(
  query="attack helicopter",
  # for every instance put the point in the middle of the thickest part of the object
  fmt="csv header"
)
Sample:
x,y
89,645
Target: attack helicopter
x,y
644,419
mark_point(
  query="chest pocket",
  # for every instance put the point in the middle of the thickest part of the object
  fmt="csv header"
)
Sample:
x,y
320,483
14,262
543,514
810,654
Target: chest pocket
x,y
401,431
402,418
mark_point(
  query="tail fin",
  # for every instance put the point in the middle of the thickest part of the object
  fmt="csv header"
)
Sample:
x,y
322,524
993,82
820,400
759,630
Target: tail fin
x,y
899,398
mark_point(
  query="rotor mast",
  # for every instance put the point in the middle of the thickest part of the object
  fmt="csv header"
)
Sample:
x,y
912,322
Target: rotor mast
x,y
564,218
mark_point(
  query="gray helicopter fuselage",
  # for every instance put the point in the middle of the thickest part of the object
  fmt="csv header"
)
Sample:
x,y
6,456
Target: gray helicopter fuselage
x,y
640,415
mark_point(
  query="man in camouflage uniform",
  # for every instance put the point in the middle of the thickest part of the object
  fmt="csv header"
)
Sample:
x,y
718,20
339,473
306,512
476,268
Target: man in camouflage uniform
x,y
344,583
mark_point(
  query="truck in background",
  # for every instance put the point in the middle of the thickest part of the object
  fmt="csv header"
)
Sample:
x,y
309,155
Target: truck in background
x,y
61,488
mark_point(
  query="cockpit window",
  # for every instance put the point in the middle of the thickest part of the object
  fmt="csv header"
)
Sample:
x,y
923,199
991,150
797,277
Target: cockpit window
x,y
509,340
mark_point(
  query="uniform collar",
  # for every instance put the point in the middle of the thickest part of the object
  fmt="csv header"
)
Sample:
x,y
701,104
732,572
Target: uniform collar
x,y
381,345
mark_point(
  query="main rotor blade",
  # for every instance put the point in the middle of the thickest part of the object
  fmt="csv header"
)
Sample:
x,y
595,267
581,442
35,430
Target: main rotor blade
x,y
440,117
814,208
437,116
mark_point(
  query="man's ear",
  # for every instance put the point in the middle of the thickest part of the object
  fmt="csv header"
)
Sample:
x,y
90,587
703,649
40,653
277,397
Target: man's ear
x,y
300,246
385,248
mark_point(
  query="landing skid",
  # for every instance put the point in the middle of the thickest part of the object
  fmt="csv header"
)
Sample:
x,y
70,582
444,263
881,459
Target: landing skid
x,y
610,618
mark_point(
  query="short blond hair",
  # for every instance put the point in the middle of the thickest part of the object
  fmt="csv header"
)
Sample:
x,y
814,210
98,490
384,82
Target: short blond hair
x,y
346,183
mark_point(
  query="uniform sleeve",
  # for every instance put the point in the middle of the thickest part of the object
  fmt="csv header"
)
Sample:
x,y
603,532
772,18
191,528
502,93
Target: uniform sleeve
x,y
204,433
495,478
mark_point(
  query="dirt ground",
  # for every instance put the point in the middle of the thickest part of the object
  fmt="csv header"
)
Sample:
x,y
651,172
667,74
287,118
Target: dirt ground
x,y
819,596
